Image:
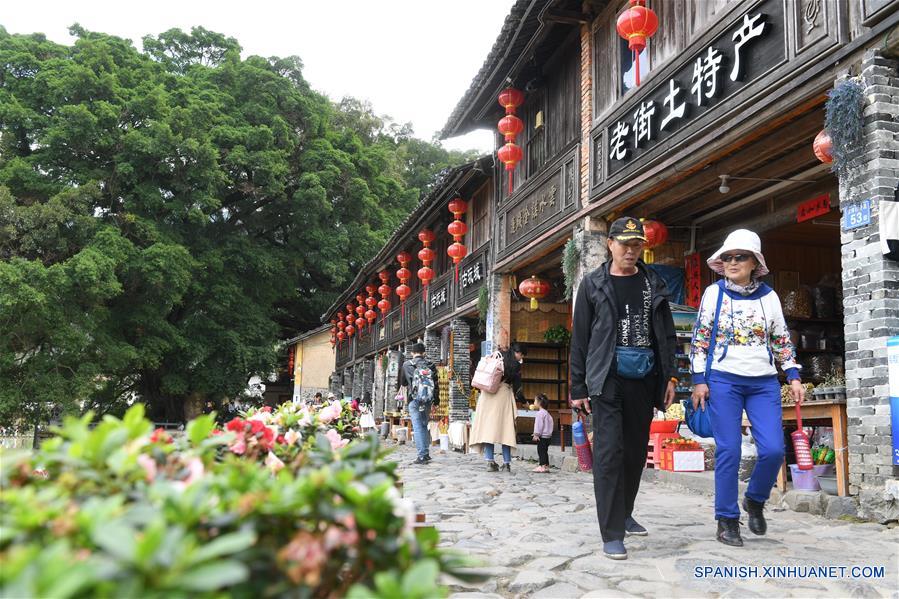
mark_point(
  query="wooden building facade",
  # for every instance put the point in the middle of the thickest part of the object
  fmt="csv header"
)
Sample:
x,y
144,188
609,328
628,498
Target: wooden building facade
x,y
717,136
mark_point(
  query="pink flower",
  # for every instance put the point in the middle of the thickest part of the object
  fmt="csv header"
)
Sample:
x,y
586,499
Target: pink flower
x,y
274,464
291,437
238,447
195,470
336,441
331,412
149,466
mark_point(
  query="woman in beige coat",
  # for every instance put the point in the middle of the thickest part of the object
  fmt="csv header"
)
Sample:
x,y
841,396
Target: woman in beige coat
x,y
494,418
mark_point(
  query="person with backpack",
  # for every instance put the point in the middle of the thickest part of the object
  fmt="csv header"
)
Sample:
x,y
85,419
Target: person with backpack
x,y
419,376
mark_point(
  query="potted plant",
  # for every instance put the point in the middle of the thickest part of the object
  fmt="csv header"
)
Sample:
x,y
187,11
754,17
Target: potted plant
x,y
557,334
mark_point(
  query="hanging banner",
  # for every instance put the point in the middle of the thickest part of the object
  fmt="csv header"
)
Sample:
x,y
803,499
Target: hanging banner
x,y
694,279
893,361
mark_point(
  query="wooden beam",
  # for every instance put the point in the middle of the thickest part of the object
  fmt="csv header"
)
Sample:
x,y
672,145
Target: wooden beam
x,y
567,17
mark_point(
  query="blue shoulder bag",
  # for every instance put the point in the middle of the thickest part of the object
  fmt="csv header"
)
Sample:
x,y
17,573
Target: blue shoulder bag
x,y
698,420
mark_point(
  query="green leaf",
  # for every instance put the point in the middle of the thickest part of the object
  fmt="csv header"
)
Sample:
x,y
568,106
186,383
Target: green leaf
x,y
213,576
421,580
199,428
224,545
116,539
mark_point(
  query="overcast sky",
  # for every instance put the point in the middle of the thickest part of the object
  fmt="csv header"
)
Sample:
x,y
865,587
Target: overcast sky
x,y
412,59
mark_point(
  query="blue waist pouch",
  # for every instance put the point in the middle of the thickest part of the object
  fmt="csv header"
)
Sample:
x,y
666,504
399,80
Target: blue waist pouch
x,y
634,362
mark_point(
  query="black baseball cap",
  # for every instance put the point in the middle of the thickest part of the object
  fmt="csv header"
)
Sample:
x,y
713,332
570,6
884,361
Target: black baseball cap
x,y
627,228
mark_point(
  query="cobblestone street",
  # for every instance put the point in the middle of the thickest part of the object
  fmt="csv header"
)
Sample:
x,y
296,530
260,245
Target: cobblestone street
x,y
537,536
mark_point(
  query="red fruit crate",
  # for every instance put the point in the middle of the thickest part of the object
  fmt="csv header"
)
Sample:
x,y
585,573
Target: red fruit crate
x,y
682,457
654,450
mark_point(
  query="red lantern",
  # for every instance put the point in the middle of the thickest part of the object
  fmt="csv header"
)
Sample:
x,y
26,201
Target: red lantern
x,y
404,274
636,24
341,336
371,316
403,258
360,310
360,298
350,318
425,274
510,99
510,155
534,288
426,255
403,291
339,316
457,252
384,290
457,228
458,207
371,302
823,147
656,234
350,329
371,288
510,126
426,236
360,323
341,325
384,307
384,275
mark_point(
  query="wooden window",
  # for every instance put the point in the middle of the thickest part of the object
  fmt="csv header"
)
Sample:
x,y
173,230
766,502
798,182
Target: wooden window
x,y
478,218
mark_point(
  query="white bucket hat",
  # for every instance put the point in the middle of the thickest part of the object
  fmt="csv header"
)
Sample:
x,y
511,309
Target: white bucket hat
x,y
741,239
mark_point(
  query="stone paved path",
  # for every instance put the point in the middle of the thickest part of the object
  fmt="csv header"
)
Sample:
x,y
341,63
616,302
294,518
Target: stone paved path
x,y
537,537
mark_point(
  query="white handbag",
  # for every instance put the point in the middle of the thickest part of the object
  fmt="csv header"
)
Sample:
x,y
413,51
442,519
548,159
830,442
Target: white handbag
x,y
488,375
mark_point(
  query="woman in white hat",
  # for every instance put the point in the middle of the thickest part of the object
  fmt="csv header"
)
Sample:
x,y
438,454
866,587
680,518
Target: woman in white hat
x,y
740,334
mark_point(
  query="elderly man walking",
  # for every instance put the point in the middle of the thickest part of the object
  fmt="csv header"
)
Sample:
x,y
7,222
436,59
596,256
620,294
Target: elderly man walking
x,y
623,365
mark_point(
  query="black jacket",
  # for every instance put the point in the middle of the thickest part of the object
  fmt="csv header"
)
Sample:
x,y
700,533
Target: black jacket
x,y
594,333
512,374
407,372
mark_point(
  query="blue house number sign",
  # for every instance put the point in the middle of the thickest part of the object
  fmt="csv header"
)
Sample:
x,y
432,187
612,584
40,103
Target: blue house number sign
x,y
857,215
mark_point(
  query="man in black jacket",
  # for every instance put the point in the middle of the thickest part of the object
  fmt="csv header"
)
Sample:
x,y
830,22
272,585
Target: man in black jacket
x,y
623,365
421,394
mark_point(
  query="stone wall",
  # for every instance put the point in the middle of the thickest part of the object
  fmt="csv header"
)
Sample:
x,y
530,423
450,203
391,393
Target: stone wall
x,y
461,373
499,312
378,388
871,293
347,388
393,366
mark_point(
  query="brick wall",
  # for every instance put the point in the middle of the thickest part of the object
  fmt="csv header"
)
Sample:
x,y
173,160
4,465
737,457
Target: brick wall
x,y
347,388
393,366
368,378
378,388
461,375
871,291
432,345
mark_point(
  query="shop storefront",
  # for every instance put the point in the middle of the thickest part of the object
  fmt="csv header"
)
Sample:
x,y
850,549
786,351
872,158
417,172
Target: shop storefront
x,y
720,133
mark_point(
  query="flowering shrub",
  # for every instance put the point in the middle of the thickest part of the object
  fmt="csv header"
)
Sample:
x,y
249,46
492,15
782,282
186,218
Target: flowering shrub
x,y
283,502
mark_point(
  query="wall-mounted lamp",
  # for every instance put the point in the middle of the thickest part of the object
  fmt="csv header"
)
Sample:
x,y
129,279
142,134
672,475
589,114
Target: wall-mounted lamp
x,y
724,187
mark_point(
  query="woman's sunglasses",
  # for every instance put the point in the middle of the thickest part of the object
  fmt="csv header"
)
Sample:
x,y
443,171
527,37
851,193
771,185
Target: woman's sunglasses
x,y
735,257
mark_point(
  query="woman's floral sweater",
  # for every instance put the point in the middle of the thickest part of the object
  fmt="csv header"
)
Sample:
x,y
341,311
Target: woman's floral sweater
x,y
752,335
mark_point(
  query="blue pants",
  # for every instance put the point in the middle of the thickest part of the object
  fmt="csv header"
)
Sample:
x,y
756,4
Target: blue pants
x,y
420,420
507,453
729,395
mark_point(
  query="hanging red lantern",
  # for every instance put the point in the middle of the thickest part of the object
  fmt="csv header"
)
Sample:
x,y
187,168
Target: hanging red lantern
x,y
290,355
823,147
360,298
510,126
360,323
341,336
457,252
457,229
360,310
341,325
384,275
371,316
403,291
656,234
426,255
425,275
350,318
636,25
404,258
384,290
510,99
458,207
403,274
339,316
350,329
510,155
384,307
534,288
426,236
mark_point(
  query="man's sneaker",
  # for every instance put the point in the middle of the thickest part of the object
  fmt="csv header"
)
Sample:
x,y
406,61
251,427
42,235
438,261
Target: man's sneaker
x,y
420,461
729,532
632,527
427,458
506,467
614,550
755,510
492,467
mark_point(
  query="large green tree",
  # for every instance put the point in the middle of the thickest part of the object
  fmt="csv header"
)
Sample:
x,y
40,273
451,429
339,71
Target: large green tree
x,y
166,216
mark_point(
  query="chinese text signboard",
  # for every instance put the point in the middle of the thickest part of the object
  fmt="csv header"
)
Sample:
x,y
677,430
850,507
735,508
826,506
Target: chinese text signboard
x,y
817,206
438,298
472,275
748,49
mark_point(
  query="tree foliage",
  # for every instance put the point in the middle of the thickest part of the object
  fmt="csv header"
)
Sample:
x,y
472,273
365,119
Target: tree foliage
x,y
166,216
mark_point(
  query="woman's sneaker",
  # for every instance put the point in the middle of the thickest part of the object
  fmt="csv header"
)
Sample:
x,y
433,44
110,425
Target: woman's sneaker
x,y
492,467
506,467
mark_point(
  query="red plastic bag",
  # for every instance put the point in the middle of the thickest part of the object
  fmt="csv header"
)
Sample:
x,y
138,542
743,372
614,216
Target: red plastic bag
x,y
801,444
